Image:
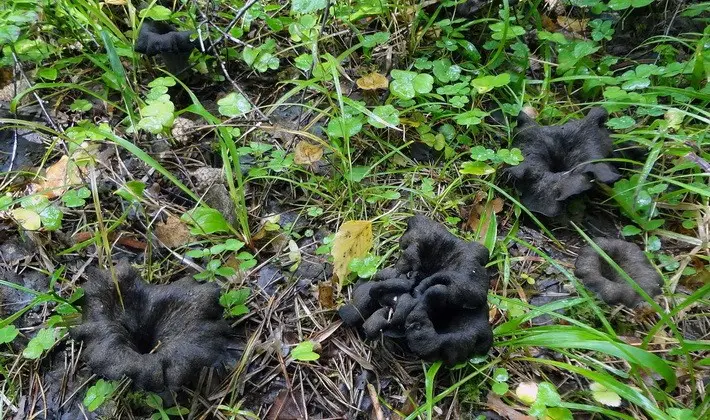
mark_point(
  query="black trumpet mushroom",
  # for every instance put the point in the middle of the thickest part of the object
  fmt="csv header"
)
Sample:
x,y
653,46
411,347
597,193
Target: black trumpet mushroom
x,y
561,161
600,277
160,337
175,47
434,298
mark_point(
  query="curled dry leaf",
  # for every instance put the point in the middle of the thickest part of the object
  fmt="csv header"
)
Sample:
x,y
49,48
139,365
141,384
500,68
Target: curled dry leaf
x,y
173,232
353,240
307,153
573,25
504,410
373,81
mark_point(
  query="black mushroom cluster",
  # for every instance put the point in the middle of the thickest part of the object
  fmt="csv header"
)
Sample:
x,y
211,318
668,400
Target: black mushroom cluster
x,y
159,336
161,38
561,161
434,298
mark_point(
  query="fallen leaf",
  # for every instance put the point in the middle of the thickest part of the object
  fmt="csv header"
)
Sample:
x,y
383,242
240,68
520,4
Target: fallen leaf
x,y
307,153
373,81
530,112
27,218
173,232
325,295
527,392
573,25
115,2
502,409
353,240
58,178
284,408
549,24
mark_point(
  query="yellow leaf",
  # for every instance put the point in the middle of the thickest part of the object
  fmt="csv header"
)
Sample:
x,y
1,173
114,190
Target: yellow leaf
x,y
28,219
572,25
307,153
373,81
527,392
353,240
116,2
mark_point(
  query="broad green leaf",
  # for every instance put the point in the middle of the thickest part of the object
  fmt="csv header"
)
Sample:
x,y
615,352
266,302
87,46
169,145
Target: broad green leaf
x,y
621,123
205,221
485,84
132,191
157,116
345,126
156,12
386,113
44,340
81,105
8,333
233,105
477,168
307,6
408,84
304,352
97,394
602,395
472,117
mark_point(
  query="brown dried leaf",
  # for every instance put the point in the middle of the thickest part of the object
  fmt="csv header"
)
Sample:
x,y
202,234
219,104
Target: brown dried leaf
x,y
353,240
373,81
573,25
173,232
307,153
284,408
58,178
504,410
326,295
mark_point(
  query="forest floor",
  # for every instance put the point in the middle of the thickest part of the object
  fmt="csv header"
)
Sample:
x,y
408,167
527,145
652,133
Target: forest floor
x,y
292,118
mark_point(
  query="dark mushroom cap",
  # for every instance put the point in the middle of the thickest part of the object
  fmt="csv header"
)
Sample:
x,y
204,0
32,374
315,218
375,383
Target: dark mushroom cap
x,y
156,37
600,277
434,297
559,160
162,339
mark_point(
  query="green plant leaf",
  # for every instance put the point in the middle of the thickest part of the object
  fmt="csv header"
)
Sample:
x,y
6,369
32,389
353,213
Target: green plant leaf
x,y
157,116
97,394
621,123
408,84
132,191
304,352
44,340
307,6
485,84
8,333
386,113
233,105
472,117
156,12
205,221
477,168
602,395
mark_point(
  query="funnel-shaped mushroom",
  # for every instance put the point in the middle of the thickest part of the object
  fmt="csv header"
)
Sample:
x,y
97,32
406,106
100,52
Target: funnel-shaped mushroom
x,y
561,161
434,297
162,336
600,277
175,47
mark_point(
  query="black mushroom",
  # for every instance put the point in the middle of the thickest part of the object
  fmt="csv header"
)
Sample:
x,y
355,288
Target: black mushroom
x,y
434,297
158,335
600,277
175,47
561,161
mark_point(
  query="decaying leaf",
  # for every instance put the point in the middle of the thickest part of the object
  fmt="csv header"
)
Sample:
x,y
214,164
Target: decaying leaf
x,y
496,404
27,218
284,407
353,240
527,392
173,232
59,177
325,295
307,153
373,81
573,25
